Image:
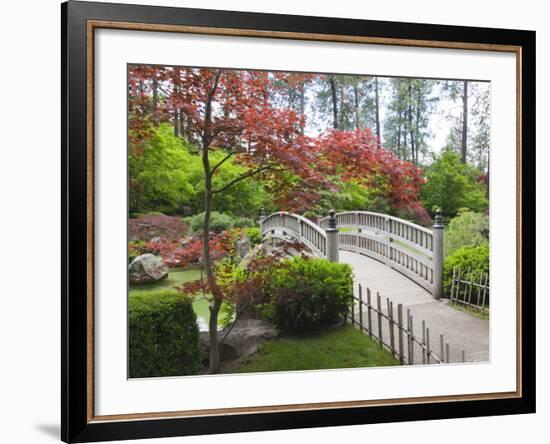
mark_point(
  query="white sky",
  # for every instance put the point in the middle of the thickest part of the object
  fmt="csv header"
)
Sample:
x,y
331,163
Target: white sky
x,y
440,123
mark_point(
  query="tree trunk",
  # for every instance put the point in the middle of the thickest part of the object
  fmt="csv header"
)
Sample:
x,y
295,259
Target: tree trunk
x,y
137,199
155,100
356,105
176,124
181,123
411,131
215,305
141,92
463,148
399,153
405,144
417,122
217,296
332,81
377,104
302,104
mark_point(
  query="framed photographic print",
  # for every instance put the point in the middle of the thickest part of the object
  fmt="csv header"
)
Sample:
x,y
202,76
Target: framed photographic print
x,y
276,221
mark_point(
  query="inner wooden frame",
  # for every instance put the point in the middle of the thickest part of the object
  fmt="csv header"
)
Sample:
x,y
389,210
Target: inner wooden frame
x,y
92,25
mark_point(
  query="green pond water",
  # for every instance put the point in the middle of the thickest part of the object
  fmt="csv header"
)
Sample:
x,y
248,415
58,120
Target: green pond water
x,y
176,277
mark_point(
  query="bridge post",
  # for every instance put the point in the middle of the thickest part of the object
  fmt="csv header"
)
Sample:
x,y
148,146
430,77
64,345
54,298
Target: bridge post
x,y
332,238
261,220
438,255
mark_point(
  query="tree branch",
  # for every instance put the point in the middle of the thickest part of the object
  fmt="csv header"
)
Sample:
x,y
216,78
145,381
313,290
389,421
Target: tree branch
x,y
244,176
221,162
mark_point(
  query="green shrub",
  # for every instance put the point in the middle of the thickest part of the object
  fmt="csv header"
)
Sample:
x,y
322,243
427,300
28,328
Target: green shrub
x,y
253,233
452,185
135,248
244,222
159,173
218,222
163,335
473,258
304,294
466,229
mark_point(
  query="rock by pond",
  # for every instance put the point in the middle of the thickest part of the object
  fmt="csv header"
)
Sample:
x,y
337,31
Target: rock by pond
x,y
147,268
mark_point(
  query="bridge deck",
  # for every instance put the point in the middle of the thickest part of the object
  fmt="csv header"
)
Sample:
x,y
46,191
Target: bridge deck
x,y
461,330
390,283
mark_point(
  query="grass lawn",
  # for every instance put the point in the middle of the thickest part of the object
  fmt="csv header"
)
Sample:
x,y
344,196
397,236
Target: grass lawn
x,y
176,277
342,347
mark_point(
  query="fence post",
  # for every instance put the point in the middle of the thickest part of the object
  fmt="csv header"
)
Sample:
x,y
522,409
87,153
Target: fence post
x,y
423,342
410,342
379,311
332,238
428,351
390,325
353,312
361,307
400,332
369,313
438,255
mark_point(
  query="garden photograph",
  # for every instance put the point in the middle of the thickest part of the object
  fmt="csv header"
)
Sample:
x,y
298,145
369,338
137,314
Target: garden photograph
x,y
292,221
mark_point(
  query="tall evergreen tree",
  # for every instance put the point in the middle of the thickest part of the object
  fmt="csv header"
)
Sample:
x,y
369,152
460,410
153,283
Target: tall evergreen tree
x,y
470,130
406,126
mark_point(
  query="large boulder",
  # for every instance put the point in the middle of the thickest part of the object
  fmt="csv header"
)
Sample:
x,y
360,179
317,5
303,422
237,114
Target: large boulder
x,y
242,247
227,352
246,335
241,338
276,247
147,268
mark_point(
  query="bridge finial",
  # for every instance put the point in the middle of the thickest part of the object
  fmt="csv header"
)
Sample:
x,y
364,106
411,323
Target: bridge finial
x,y
438,222
262,213
332,219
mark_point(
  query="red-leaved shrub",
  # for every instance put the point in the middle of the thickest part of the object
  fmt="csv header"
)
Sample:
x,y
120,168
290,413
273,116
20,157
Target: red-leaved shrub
x,y
145,228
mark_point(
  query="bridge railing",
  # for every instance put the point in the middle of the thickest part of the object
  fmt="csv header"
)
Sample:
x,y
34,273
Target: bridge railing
x,y
405,246
413,250
298,227
400,230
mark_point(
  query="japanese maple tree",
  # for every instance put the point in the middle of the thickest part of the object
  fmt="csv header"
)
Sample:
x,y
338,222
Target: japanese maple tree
x,y
239,113
230,110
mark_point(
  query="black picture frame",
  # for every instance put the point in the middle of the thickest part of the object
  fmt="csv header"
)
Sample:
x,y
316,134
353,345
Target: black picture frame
x,y
76,329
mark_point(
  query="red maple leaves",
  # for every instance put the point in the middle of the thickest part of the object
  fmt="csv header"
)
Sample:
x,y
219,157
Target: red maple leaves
x,y
184,252
235,110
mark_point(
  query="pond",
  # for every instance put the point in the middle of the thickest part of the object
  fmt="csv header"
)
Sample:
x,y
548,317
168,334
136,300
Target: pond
x,y
176,278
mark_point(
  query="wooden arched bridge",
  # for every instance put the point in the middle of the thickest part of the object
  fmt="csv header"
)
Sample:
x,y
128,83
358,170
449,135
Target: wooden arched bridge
x,y
385,250
398,262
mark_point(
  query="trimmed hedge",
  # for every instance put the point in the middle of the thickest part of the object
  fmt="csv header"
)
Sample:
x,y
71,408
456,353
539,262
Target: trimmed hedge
x,y
163,335
304,294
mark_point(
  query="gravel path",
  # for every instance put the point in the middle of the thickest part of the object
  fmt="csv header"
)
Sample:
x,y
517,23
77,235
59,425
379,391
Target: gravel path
x,y
461,330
